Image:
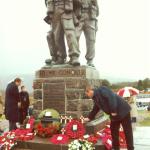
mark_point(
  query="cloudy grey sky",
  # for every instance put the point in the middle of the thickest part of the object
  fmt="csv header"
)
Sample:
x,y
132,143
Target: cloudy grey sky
x,y
122,47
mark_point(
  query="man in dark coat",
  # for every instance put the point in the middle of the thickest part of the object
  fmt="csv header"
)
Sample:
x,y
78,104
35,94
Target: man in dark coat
x,y
12,103
24,99
118,110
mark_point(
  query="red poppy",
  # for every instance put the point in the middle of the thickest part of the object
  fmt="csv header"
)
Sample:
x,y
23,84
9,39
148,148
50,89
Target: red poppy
x,y
59,139
75,129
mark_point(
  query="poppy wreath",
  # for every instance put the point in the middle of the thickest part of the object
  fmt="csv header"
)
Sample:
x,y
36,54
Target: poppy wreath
x,y
105,136
77,132
47,131
93,139
59,139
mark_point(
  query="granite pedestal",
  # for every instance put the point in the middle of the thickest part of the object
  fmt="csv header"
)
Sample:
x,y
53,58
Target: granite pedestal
x,y
63,88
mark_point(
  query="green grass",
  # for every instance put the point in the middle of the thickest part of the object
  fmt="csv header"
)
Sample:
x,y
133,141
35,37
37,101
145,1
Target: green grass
x,y
145,115
145,122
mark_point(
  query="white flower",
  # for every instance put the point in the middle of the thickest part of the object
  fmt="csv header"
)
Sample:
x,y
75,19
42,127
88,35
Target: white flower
x,y
84,144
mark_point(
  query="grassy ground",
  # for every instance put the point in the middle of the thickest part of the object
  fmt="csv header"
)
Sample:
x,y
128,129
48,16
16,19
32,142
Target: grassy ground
x,y
144,118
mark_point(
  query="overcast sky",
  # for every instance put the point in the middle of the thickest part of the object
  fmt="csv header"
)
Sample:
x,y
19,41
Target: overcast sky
x,y
122,46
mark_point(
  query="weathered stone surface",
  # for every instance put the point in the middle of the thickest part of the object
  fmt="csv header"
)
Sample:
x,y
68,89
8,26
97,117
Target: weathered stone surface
x,y
44,144
71,82
37,94
86,105
96,125
37,84
54,96
38,105
77,114
63,88
73,94
82,71
79,105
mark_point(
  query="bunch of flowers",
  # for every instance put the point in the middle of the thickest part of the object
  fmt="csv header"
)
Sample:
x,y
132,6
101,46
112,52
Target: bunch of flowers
x,y
8,140
23,134
105,136
93,139
46,131
81,145
59,139
75,129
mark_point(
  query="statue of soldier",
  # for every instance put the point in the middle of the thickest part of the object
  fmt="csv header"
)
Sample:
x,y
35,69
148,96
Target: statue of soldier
x,y
63,24
87,12
55,57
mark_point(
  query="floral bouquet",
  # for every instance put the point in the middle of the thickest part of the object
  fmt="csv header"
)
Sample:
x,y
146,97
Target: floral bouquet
x,y
59,139
81,145
7,141
46,131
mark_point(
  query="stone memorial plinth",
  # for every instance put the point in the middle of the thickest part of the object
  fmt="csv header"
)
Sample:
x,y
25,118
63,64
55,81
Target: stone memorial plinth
x,y
63,89
44,144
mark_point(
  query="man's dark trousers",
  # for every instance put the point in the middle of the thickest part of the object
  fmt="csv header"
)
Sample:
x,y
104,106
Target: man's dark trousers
x,y
12,125
127,127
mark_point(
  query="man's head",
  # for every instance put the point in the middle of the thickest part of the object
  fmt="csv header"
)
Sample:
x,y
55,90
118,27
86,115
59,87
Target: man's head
x,y
23,88
17,81
89,92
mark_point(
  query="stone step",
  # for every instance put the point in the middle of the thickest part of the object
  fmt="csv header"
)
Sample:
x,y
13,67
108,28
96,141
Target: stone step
x,y
44,144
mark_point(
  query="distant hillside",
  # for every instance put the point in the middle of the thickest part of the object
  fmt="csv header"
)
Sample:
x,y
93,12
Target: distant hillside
x,y
27,81
115,79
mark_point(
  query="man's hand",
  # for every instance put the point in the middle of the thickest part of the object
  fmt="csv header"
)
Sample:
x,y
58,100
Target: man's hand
x,y
86,120
19,105
114,114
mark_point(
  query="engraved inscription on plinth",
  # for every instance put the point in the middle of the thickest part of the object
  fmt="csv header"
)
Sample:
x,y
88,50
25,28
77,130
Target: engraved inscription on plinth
x,y
81,72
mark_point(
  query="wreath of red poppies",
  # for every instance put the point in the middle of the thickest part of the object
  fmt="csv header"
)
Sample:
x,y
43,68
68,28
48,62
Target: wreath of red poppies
x,y
75,134
93,139
46,131
59,139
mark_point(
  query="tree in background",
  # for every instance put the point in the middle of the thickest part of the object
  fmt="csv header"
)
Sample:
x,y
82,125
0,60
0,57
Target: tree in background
x,y
140,85
146,83
143,84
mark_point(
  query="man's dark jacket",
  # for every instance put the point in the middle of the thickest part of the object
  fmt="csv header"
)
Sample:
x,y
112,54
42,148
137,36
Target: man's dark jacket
x,y
104,99
11,102
24,98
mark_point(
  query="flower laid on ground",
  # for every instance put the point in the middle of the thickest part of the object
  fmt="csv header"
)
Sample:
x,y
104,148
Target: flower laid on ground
x,y
59,139
75,129
46,131
81,145
93,139
8,140
105,136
